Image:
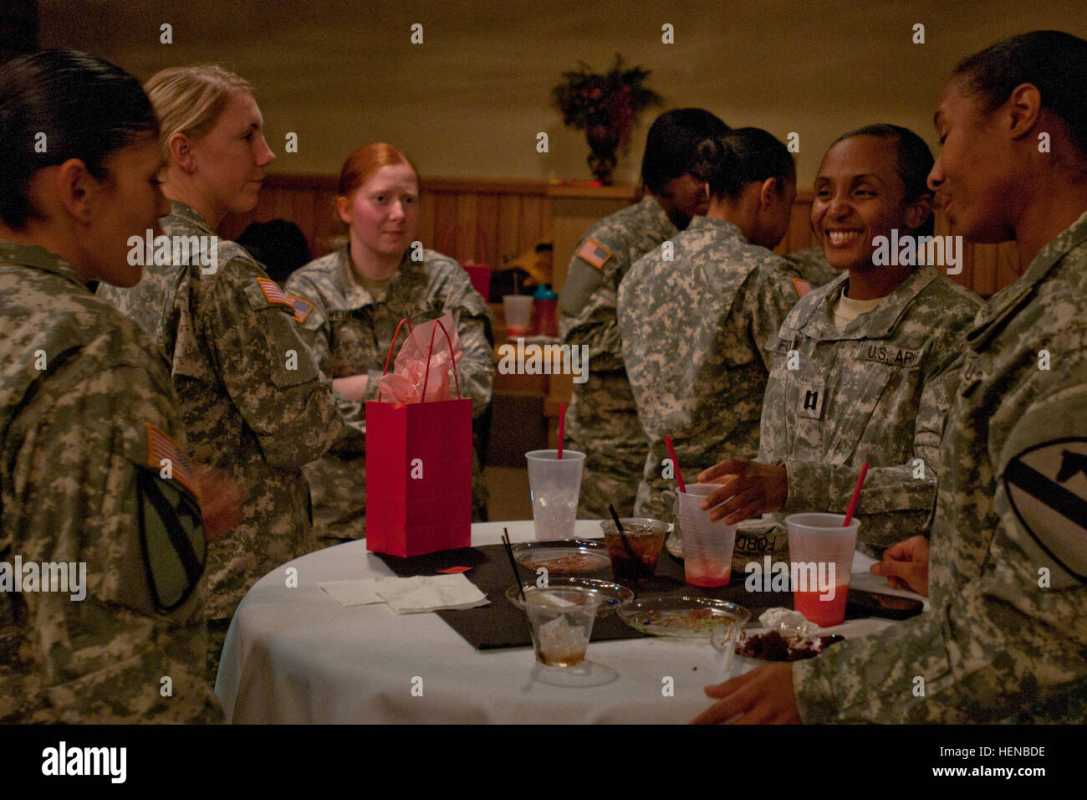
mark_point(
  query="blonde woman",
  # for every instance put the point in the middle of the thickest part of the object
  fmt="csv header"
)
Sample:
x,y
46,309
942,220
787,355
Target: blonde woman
x,y
360,292
252,399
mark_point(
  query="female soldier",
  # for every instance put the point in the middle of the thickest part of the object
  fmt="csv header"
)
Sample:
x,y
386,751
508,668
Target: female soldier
x,y
252,398
92,470
696,313
359,293
856,380
1005,637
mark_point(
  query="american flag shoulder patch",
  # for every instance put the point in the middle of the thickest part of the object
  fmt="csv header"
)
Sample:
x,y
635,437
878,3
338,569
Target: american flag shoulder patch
x,y
272,293
302,307
166,459
594,253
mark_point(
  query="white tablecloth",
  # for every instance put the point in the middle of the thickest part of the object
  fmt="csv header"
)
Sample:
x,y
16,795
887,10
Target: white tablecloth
x,y
295,655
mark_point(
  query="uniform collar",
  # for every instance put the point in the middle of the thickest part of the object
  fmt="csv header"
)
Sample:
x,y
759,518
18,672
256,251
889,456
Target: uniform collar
x,y
189,215
1008,301
36,257
718,227
817,319
657,219
358,296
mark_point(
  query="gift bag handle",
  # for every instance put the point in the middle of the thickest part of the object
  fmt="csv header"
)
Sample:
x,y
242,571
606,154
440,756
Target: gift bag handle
x,y
452,358
389,355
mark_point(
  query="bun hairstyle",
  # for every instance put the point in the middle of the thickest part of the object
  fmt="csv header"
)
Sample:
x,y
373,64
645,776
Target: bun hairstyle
x,y
672,143
742,156
1054,61
86,108
913,162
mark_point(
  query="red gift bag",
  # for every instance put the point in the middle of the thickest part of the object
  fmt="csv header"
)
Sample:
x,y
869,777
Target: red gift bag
x,y
419,470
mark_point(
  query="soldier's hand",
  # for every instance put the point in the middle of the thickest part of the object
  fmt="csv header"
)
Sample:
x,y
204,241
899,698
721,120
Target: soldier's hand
x,y
220,501
763,696
905,565
748,489
351,389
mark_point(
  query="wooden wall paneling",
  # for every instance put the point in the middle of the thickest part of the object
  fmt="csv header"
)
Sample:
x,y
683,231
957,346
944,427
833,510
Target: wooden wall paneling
x,y
486,235
328,232
532,227
467,226
509,228
426,218
1008,267
445,223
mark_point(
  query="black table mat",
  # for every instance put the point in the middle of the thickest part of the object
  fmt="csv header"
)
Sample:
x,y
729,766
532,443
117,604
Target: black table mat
x,y
502,625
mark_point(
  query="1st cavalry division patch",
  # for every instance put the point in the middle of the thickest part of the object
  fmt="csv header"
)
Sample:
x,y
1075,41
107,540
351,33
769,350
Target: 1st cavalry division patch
x,y
1047,488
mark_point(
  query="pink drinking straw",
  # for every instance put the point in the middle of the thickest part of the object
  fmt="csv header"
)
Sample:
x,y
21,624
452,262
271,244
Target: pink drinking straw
x,y
562,427
675,463
856,495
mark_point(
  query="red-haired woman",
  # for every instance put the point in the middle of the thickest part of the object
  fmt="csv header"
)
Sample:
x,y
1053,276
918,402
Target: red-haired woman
x,y
359,294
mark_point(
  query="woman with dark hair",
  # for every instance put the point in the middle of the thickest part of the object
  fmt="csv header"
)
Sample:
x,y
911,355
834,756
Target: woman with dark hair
x,y
696,313
859,374
1005,637
92,469
602,420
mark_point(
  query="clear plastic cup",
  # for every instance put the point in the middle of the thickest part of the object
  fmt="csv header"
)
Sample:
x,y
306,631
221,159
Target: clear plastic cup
x,y
554,485
821,553
518,308
707,546
562,622
636,558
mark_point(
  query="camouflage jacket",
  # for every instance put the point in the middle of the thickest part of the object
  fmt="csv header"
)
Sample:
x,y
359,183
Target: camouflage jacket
x,y
694,330
252,399
876,392
1006,635
811,266
603,412
87,414
350,333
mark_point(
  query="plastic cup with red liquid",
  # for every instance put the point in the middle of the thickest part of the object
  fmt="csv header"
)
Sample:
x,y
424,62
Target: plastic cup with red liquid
x,y
815,542
707,545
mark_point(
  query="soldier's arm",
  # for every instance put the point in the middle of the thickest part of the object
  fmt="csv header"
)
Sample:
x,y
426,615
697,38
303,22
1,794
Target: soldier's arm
x,y
476,366
588,308
316,332
769,297
269,371
1012,639
91,493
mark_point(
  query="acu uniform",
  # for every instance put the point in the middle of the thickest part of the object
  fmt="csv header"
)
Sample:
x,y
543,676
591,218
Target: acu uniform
x,y
876,392
88,418
1005,637
350,329
253,402
602,420
811,266
694,331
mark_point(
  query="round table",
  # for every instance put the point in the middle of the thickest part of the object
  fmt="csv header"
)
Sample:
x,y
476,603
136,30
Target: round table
x,y
293,654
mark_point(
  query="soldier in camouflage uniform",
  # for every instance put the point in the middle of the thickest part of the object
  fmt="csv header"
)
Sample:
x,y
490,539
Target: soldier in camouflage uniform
x,y
602,420
89,422
1005,637
350,328
866,392
695,316
253,400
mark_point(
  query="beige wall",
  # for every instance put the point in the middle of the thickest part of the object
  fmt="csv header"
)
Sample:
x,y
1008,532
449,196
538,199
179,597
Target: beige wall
x,y
470,100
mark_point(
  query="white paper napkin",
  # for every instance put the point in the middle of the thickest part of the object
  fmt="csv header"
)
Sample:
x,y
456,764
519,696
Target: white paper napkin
x,y
359,592
430,593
